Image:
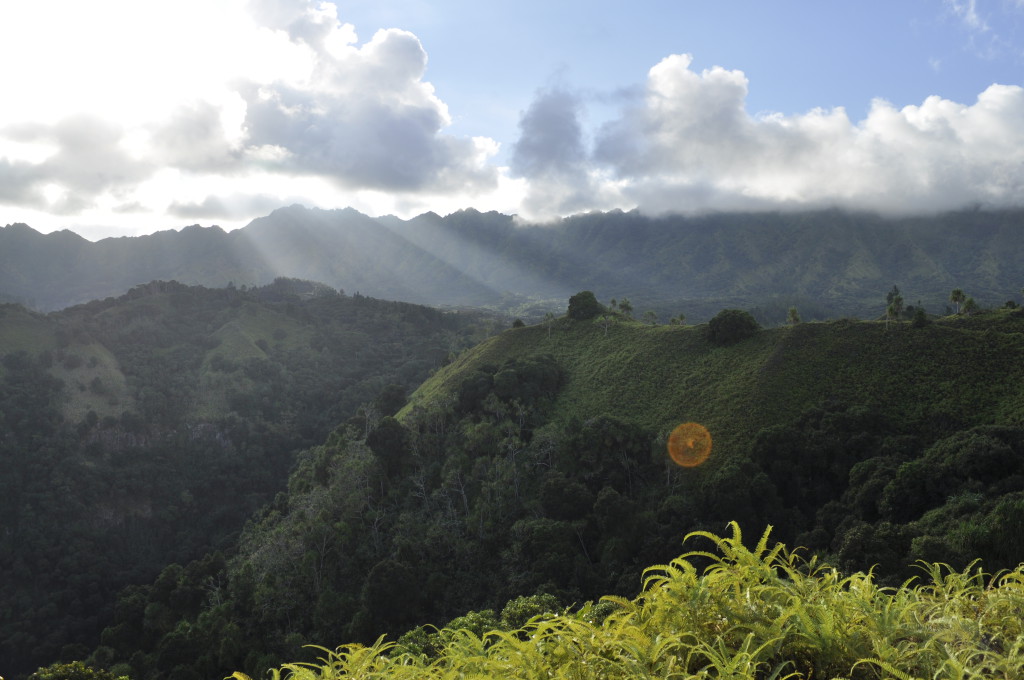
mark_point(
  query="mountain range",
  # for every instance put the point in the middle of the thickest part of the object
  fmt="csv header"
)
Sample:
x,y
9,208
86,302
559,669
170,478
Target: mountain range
x,y
827,263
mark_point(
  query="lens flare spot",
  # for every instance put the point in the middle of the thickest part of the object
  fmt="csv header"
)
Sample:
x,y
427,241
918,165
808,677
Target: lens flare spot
x,y
689,445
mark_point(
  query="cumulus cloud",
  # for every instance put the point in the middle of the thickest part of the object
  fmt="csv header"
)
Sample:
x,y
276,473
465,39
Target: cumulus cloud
x,y
295,96
552,156
271,102
368,121
200,136
87,157
687,144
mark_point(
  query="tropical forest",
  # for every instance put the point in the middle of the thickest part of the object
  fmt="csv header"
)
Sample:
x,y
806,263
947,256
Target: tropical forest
x,y
275,476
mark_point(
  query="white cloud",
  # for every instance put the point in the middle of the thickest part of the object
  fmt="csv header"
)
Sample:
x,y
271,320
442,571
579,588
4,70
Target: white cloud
x,y
687,144
552,154
367,120
115,104
967,12
128,117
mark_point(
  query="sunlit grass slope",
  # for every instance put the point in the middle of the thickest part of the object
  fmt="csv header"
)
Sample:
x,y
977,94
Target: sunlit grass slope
x,y
22,330
91,375
251,334
964,370
726,610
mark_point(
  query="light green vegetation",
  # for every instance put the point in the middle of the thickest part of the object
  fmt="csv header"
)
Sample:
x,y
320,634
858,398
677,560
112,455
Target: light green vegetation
x,y
659,376
252,334
22,330
730,611
93,381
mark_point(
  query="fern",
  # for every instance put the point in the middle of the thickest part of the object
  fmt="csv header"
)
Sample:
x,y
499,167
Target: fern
x,y
761,614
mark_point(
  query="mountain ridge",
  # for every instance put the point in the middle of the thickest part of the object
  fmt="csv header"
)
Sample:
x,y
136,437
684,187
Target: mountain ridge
x,y
831,263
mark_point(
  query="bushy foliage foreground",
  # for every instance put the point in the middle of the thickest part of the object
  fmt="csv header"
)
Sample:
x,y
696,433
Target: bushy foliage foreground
x,y
737,613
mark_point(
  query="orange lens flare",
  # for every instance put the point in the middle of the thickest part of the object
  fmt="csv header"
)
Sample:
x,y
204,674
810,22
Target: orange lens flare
x,y
689,445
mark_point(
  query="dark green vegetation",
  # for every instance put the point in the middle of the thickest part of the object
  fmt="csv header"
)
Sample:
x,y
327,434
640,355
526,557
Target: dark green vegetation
x,y
535,464
143,431
826,263
729,611
730,326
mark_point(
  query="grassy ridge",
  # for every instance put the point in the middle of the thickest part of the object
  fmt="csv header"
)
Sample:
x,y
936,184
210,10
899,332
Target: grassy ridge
x,y
956,370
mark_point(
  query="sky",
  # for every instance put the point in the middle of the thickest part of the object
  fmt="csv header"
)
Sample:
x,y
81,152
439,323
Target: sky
x,y
125,117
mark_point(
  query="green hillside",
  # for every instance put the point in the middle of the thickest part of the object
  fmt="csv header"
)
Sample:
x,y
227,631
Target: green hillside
x,y
958,369
144,430
535,465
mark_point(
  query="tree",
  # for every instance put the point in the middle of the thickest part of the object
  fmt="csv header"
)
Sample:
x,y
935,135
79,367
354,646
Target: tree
x,y
626,308
792,316
730,326
549,321
389,442
679,320
651,317
957,297
970,306
583,306
390,400
605,321
920,318
891,296
76,670
894,300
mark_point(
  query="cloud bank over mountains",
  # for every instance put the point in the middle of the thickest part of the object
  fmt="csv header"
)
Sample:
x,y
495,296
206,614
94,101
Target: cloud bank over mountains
x,y
278,101
687,143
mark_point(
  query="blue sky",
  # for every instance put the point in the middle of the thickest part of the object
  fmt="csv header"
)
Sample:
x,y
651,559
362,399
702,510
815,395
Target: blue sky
x,y
125,117
797,55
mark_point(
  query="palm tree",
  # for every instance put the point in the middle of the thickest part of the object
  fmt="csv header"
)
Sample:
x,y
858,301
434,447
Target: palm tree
x,y
897,304
549,321
890,314
957,297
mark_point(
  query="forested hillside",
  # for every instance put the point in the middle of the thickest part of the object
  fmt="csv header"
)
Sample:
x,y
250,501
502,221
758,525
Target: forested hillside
x,y
535,465
144,430
827,263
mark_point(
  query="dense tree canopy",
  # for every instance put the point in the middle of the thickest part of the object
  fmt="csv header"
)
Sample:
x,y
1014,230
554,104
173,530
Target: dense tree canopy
x,y
583,306
501,480
730,326
206,397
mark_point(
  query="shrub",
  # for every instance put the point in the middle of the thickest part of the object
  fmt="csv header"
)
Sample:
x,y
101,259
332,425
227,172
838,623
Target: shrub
x,y
730,326
583,306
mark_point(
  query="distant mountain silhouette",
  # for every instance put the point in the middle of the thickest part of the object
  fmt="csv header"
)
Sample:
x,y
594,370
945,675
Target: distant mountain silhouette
x,y
825,262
